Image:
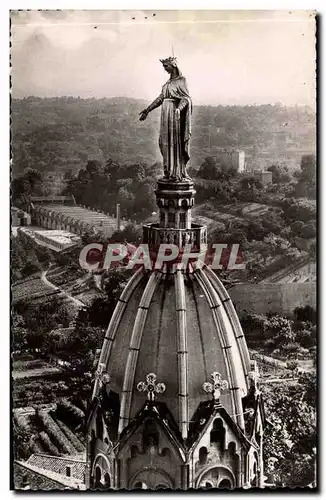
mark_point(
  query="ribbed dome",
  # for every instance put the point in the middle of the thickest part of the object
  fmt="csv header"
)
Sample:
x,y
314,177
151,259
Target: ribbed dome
x,y
181,326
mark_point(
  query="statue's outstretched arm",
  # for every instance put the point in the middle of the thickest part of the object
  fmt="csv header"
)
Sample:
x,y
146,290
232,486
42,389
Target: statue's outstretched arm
x,y
155,104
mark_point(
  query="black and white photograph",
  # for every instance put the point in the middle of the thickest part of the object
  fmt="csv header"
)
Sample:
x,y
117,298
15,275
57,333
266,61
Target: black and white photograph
x,y
163,242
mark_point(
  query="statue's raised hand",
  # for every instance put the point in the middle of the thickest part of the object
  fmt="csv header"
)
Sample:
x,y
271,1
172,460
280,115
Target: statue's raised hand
x,y
143,115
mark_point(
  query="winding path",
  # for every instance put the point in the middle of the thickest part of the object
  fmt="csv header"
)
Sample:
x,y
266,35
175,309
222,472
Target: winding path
x,y
62,292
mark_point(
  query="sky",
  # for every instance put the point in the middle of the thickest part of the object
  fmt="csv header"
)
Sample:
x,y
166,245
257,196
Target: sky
x,y
228,57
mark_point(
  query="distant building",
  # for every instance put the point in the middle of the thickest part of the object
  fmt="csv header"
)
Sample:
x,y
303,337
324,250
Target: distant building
x,y
57,240
19,217
232,158
263,176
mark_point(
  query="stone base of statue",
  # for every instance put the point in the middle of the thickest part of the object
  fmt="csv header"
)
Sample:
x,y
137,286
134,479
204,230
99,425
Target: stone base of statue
x,y
175,200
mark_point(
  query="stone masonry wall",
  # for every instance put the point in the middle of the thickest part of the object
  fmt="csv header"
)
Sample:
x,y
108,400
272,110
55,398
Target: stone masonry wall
x,y
277,298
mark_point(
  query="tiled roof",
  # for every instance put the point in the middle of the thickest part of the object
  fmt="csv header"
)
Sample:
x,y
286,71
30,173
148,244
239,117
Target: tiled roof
x,y
69,482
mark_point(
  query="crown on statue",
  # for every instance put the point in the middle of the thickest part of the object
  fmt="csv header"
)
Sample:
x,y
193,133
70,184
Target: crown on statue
x,y
169,60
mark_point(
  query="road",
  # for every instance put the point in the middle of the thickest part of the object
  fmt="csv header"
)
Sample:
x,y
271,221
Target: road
x,y
77,302
36,372
273,380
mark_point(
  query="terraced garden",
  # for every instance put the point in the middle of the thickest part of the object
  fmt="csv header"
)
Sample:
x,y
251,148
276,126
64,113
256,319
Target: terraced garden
x,y
57,432
64,277
30,289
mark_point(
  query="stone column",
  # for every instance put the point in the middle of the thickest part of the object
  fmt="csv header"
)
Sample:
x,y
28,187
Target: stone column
x,y
185,476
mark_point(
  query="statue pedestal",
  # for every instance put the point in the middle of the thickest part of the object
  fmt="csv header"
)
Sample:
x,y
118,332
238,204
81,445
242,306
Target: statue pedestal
x,y
175,200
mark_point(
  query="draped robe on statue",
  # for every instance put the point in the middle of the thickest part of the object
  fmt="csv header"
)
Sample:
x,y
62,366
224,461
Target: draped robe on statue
x,y
175,135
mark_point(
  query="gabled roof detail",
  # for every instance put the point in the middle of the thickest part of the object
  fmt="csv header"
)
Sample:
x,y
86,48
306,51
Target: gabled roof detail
x,y
160,413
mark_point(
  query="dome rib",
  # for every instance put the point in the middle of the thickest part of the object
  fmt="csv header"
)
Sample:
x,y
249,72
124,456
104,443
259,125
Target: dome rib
x,y
226,341
134,346
182,353
115,322
233,317
204,283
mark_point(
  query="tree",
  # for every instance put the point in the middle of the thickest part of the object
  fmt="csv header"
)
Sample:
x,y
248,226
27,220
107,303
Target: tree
x,y
131,234
308,168
21,442
306,186
290,439
256,231
292,365
43,317
281,174
79,347
30,183
100,312
249,189
309,230
306,313
30,267
19,338
209,168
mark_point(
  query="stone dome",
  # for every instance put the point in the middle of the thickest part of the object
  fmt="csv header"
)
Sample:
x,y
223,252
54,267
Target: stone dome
x,y
181,326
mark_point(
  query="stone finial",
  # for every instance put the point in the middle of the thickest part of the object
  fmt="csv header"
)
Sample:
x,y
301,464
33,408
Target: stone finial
x,y
101,375
151,386
253,375
216,386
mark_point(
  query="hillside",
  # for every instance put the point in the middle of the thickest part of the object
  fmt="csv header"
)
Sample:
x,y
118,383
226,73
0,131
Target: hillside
x,y
60,134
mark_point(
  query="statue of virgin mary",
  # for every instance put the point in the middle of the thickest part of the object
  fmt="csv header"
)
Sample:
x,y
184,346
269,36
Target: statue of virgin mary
x,y
175,129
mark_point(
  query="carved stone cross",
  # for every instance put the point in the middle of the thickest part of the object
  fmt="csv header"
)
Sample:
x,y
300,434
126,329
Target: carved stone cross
x,y
101,375
216,386
253,375
151,386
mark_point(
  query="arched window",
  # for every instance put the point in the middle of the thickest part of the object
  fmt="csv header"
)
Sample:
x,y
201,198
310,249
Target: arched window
x,y
203,455
225,484
207,485
134,451
232,448
218,433
107,480
140,486
166,453
162,487
150,436
98,476
68,471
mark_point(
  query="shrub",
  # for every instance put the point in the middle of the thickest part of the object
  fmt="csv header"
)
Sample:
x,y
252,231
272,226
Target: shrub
x,y
270,344
55,433
291,348
34,445
306,338
70,411
44,438
71,436
21,440
292,365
